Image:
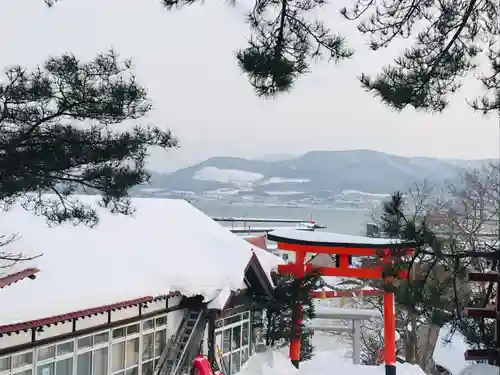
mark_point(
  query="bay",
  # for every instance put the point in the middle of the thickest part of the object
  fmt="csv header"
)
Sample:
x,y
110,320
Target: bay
x,y
336,220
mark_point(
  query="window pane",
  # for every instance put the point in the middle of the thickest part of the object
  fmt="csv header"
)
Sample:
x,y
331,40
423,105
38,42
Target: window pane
x,y
5,364
161,321
132,353
101,337
133,329
235,363
246,332
64,367
84,364
160,342
148,368
226,341
236,343
218,342
244,356
232,319
148,324
47,369
227,363
100,366
148,346
65,348
22,359
46,353
118,357
246,315
119,332
84,342
26,372
132,371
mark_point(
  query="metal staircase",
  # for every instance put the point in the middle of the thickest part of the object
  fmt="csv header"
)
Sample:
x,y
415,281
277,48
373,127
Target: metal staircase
x,y
185,345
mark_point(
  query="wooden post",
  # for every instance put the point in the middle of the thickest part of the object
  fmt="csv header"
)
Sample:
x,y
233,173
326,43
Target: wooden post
x,y
492,312
389,334
297,314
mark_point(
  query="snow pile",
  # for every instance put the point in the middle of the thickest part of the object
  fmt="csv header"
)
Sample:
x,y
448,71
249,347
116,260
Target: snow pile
x,y
276,363
449,351
167,245
226,175
480,369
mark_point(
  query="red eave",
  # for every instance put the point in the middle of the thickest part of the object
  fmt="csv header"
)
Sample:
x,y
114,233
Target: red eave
x,y
17,276
10,328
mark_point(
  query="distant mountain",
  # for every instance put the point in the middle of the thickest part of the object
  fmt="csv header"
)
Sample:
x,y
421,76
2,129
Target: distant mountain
x,y
274,157
317,175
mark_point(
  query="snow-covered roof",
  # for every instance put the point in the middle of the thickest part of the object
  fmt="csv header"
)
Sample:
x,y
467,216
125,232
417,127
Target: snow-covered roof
x,y
332,239
166,245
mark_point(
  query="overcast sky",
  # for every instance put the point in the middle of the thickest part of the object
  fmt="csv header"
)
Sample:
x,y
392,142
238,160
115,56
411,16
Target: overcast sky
x,y
186,60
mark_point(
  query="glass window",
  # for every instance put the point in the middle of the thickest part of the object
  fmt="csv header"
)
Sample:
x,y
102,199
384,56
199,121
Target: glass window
x,y
84,364
232,319
235,362
227,363
133,329
101,338
64,367
236,338
132,371
22,359
119,332
84,342
246,315
148,346
65,348
161,321
148,324
118,357
246,332
244,356
226,340
148,368
5,364
25,372
132,353
218,341
160,342
100,365
46,353
47,369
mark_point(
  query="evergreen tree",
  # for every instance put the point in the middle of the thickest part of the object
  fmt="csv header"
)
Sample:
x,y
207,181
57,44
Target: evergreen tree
x,y
71,127
427,298
450,39
278,309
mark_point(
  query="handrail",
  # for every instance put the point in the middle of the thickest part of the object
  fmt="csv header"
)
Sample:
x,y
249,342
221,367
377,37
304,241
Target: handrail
x,y
187,344
170,345
164,354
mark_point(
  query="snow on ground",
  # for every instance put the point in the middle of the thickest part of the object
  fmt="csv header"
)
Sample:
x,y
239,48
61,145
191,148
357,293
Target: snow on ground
x,y
167,245
283,180
226,175
276,363
480,369
449,351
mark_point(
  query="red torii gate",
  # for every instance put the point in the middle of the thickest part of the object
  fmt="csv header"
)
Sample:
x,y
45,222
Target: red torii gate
x,y
344,247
